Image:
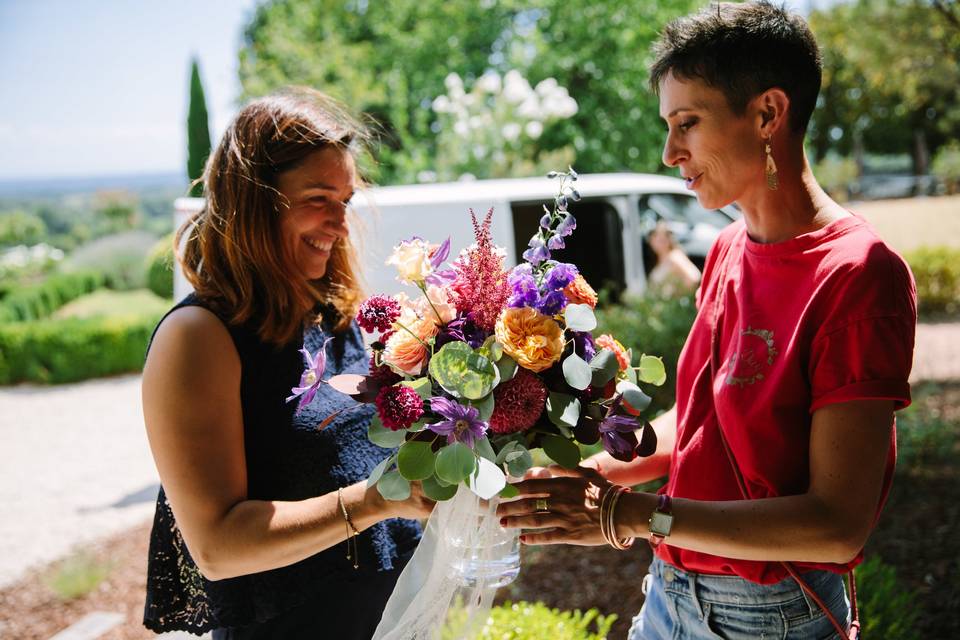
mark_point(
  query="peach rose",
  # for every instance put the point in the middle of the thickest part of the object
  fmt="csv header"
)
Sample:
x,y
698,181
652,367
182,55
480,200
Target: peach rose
x,y
579,291
441,304
534,340
405,353
412,260
607,341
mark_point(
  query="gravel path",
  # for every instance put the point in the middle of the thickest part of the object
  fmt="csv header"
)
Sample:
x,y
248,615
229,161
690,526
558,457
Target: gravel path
x,y
75,465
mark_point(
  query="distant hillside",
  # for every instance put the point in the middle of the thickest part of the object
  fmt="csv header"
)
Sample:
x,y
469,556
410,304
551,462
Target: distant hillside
x,y
53,187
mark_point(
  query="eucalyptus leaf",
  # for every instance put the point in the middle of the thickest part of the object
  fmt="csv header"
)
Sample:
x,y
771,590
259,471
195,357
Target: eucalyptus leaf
x,y
562,451
563,409
605,366
652,370
455,462
415,460
422,386
485,449
488,480
379,470
507,367
383,437
435,490
580,317
463,372
577,372
484,406
506,450
519,462
393,486
635,399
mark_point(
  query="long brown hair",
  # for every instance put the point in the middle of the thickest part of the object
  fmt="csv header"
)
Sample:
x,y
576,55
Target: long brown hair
x,y
232,251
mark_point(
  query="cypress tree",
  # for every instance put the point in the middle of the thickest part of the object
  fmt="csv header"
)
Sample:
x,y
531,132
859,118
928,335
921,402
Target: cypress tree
x,y
198,130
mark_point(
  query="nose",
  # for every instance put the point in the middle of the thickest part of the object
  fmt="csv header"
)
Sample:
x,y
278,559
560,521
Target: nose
x,y
673,154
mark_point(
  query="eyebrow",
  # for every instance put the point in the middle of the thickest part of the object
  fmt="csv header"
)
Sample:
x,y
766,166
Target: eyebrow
x,y
697,106
319,185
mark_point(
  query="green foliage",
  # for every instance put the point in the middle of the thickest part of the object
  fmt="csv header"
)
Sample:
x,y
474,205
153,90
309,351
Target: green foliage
x,y
20,227
652,325
39,301
57,351
891,74
77,576
835,174
937,273
946,166
534,621
198,130
119,257
925,438
390,60
104,302
887,609
117,210
159,265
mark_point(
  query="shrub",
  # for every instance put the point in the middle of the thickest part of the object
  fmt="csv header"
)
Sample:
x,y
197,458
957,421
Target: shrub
x,y
655,326
887,609
835,175
77,576
57,351
119,257
535,621
946,166
160,268
937,272
39,301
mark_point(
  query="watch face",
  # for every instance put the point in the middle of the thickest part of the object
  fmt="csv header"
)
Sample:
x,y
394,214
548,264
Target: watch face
x,y
660,523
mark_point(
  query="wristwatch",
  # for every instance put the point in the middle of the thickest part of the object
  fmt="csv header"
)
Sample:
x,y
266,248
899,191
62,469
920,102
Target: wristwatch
x,y
661,520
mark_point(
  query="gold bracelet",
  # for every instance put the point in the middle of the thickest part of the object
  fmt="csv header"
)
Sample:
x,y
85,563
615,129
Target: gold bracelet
x,y
604,519
618,543
608,528
352,533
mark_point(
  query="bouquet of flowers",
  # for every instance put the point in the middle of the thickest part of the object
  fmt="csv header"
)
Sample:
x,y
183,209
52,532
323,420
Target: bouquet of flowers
x,y
487,363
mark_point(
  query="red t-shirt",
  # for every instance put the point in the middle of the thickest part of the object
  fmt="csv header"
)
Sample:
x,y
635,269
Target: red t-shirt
x,y
825,317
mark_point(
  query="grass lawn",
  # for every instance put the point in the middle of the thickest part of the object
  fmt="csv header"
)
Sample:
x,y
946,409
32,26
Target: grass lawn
x,y
914,222
105,302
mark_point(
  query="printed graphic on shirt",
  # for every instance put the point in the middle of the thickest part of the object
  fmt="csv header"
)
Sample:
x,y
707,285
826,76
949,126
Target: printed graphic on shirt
x,y
753,359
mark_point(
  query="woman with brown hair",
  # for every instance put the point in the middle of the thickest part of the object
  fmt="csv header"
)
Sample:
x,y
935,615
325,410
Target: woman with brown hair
x,y
257,497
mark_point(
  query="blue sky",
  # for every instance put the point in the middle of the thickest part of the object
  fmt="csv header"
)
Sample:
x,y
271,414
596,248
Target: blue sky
x,y
98,87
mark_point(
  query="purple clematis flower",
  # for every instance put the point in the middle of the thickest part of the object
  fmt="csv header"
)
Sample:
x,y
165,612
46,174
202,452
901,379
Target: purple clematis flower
x,y
312,376
617,433
462,423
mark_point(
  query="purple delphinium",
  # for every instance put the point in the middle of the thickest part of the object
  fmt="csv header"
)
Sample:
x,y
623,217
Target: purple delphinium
x,y
617,434
462,423
537,252
523,287
560,275
312,376
567,225
583,345
552,303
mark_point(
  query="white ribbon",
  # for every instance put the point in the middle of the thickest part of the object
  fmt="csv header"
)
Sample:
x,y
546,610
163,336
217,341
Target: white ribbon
x,y
431,597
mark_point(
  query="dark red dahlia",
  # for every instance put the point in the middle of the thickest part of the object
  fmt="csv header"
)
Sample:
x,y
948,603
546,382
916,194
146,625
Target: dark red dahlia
x,y
399,407
518,403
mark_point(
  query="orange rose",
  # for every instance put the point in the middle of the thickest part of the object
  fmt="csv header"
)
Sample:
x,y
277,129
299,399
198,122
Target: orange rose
x,y
579,291
607,341
534,340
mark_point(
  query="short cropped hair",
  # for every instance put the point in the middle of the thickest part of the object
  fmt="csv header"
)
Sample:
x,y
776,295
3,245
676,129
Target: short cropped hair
x,y
743,50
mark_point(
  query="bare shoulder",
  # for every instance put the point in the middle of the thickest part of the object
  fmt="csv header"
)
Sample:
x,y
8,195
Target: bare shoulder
x,y
195,337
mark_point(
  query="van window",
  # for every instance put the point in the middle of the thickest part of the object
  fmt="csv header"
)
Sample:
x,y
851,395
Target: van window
x,y
596,247
676,207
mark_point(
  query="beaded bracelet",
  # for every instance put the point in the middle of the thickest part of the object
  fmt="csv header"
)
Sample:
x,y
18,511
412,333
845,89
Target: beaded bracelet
x,y
352,533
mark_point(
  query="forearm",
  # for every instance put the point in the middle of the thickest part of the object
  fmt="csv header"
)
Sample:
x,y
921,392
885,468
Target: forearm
x,y
258,535
803,528
646,469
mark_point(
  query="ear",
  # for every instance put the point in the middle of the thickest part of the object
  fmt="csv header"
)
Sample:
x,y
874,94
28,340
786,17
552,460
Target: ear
x,y
772,110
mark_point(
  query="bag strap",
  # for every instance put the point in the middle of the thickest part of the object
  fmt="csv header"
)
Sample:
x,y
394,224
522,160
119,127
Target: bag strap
x,y
854,632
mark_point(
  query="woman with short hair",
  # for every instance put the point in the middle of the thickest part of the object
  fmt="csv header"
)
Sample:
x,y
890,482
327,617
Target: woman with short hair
x,y
781,447
265,527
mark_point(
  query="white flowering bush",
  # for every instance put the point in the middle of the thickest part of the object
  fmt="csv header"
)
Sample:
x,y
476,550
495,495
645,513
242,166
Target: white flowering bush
x,y
494,129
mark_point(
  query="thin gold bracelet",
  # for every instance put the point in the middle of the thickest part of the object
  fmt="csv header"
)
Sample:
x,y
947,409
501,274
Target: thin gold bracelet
x,y
352,533
607,519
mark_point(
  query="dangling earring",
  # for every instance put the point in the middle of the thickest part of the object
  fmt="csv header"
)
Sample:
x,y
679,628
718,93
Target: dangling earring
x,y
771,171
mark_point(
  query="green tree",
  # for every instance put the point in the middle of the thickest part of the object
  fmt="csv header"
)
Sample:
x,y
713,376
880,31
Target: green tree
x,y
19,227
891,78
198,130
389,59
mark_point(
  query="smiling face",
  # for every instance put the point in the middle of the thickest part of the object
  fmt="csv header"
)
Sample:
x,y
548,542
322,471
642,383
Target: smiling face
x,y
316,192
718,153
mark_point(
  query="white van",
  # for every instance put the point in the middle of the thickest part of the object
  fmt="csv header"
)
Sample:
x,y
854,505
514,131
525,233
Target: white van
x,y
613,218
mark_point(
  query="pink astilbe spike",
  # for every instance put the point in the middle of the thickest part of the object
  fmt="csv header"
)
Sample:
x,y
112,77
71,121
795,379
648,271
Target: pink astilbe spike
x,y
481,284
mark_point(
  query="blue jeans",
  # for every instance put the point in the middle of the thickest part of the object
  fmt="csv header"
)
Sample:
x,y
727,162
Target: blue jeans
x,y
687,606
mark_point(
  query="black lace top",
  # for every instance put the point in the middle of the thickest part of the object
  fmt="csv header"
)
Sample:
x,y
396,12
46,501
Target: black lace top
x,y
287,459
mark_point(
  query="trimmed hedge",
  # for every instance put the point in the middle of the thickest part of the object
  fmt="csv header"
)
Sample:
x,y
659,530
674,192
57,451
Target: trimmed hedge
x,y
655,326
537,621
39,301
72,349
937,272
159,265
